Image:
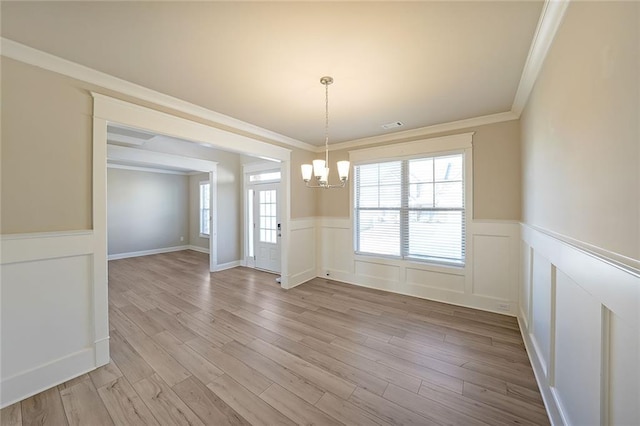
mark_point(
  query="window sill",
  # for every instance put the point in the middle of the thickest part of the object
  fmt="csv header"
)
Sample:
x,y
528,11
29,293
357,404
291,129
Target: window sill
x,y
204,236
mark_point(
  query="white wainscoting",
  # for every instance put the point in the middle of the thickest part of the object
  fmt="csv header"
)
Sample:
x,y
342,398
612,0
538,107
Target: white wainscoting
x,y
52,305
580,318
302,256
486,282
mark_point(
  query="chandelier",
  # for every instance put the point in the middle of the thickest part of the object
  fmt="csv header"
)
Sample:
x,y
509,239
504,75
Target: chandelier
x,y
320,168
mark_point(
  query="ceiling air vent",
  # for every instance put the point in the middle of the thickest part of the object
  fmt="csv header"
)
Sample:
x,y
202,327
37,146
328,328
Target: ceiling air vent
x,y
392,125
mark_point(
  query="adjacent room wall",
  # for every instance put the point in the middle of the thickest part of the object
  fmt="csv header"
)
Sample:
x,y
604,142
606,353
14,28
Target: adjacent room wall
x,y
496,174
581,194
146,211
229,189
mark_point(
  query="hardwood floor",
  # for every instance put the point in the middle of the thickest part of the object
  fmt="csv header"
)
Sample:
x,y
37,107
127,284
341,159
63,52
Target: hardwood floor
x,y
232,348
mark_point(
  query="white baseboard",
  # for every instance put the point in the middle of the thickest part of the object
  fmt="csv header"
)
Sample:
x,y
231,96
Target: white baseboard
x,y
228,265
538,370
421,292
148,252
572,291
41,378
198,249
301,278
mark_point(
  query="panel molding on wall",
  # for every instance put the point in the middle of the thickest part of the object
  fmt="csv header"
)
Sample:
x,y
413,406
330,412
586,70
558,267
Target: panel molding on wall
x,y
35,356
302,259
486,282
579,317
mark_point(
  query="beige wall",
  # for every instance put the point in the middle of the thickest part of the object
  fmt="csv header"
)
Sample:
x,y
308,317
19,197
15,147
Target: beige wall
x,y
496,174
46,151
580,132
146,211
303,199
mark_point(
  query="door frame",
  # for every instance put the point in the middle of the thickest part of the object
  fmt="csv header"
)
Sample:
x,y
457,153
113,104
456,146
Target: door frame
x,y
153,158
111,110
247,170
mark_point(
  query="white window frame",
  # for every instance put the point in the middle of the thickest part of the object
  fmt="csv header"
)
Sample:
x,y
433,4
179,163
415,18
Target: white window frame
x,y
422,148
200,208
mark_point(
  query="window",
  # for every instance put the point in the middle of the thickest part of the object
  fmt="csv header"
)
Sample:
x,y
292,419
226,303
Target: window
x,y
411,209
268,218
265,177
205,192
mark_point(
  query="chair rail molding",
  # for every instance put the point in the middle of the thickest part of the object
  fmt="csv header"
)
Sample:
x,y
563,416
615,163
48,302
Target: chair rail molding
x,y
579,316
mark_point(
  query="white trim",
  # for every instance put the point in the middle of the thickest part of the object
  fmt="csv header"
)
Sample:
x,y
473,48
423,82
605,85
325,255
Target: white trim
x,y
17,248
198,249
285,214
50,248
548,24
125,153
145,169
41,378
38,58
100,250
550,20
139,117
424,131
118,256
228,265
460,141
614,287
625,263
622,292
107,109
554,413
249,168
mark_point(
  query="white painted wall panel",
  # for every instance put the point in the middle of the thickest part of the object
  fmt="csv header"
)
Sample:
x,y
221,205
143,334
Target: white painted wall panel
x,y
378,271
52,298
496,267
595,320
302,260
577,352
430,279
541,308
491,257
335,242
624,372
46,311
303,257
524,299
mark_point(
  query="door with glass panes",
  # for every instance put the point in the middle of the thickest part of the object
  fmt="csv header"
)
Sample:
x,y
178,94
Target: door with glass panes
x,y
266,226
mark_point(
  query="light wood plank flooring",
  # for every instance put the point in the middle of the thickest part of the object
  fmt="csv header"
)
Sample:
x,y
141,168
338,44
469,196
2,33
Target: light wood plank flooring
x,y
232,348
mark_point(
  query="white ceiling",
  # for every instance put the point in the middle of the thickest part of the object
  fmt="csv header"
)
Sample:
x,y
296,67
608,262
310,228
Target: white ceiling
x,y
421,63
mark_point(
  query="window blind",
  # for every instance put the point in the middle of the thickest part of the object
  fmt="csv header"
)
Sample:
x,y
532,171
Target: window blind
x,y
411,209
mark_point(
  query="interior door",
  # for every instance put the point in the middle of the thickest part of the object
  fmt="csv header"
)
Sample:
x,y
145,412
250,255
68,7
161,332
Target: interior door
x,y
267,230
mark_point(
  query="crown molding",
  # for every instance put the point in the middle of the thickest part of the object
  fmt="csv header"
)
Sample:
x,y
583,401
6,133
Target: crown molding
x,y
550,19
423,131
29,55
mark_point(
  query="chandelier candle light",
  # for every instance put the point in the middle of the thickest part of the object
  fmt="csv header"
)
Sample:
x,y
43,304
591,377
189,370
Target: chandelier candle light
x,y
320,168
